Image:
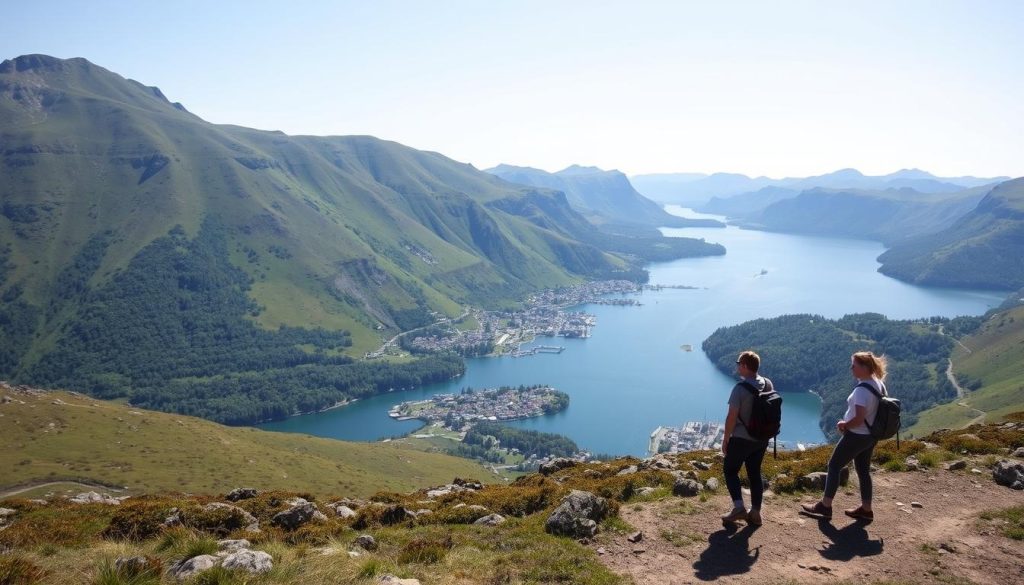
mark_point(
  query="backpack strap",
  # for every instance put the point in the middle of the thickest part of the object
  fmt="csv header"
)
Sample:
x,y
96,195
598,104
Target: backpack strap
x,y
878,395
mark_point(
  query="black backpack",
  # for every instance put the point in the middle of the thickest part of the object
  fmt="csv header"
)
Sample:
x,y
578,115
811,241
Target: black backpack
x,y
887,419
766,415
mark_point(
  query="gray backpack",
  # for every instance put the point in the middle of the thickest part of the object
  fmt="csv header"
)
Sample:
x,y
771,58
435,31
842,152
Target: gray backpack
x,y
887,419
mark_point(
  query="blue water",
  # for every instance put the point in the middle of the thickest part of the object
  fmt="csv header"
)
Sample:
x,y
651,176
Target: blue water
x,y
632,375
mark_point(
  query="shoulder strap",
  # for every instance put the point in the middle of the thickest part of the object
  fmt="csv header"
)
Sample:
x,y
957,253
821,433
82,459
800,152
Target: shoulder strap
x,y
750,387
870,387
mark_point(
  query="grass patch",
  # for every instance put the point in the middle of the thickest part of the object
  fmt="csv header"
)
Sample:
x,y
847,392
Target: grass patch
x,y
15,570
1009,520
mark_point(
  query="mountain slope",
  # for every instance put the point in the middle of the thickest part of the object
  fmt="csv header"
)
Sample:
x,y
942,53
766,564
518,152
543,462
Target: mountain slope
x,y
61,435
146,253
982,249
605,197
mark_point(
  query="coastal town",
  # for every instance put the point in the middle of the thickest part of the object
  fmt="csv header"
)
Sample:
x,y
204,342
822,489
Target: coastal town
x,y
459,411
692,436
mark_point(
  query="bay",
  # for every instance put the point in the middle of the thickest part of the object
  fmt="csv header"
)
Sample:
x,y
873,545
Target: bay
x,y
632,374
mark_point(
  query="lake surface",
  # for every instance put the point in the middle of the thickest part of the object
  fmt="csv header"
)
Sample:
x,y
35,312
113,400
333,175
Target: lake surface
x,y
631,375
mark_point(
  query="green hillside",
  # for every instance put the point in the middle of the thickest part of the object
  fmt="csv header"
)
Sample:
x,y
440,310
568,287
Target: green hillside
x,y
53,436
989,365
982,249
235,273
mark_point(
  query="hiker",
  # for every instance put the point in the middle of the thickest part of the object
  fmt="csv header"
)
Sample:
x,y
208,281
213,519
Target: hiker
x,y
753,418
857,443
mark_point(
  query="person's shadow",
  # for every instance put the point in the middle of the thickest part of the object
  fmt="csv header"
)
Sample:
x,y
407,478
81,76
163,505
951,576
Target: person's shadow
x,y
728,553
848,542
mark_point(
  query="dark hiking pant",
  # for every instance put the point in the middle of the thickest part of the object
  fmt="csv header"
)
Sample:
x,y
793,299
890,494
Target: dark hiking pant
x,y
750,453
851,447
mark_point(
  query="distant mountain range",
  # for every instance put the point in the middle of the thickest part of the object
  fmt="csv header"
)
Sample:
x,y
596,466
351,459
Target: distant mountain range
x,y
711,193
606,198
141,246
984,248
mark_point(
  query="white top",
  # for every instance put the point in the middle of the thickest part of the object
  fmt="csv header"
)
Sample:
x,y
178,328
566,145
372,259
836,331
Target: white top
x,y
863,397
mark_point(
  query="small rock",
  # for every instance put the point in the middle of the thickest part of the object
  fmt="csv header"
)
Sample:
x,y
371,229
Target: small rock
x,y
366,542
392,580
490,520
711,483
916,505
299,514
187,568
233,545
1019,453
912,463
947,547
628,470
600,550
956,465
639,550
5,512
635,537
354,554
557,465
577,515
686,488
976,471
701,465
241,494
250,561
646,491
342,511
94,498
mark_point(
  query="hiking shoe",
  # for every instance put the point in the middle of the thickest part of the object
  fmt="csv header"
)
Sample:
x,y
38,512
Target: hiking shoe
x,y
818,510
860,513
754,517
735,516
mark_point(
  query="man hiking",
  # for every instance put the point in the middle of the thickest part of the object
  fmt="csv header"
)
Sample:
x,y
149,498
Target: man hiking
x,y
754,418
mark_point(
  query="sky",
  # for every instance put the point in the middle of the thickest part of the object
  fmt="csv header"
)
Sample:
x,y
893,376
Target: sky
x,y
786,88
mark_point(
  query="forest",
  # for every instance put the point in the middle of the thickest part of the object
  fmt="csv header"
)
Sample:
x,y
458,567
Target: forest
x,y
483,434
809,353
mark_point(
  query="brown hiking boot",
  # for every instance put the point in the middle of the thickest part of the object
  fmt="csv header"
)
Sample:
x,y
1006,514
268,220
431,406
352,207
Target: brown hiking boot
x,y
859,513
754,517
818,510
735,516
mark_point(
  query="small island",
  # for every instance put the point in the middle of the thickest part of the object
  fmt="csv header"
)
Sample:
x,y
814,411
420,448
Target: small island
x,y
457,411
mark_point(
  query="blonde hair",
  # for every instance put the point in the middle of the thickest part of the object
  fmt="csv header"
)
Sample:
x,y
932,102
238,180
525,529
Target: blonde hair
x,y
876,363
751,360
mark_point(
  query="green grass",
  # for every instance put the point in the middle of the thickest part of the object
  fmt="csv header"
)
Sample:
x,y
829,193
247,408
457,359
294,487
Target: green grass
x,y
1009,520
156,452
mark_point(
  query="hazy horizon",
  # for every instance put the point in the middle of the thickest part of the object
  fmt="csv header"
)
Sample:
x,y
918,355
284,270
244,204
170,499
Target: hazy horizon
x,y
796,89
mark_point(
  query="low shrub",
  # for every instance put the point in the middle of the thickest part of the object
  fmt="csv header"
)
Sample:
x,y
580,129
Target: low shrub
x,y
138,519
424,551
15,570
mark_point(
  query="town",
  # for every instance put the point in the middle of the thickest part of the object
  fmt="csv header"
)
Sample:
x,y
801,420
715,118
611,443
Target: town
x,y
692,436
459,411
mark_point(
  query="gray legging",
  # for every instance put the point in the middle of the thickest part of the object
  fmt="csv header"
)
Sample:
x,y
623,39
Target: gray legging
x,y
851,447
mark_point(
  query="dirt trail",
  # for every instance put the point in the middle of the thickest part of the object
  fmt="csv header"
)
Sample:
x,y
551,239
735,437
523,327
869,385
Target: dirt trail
x,y
8,492
684,541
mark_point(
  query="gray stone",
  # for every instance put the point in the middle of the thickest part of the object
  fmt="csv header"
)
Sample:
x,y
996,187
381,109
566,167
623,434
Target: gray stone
x,y
343,511
956,465
241,494
816,480
187,568
1019,453
646,491
686,488
916,505
392,580
490,520
1009,473
251,561
300,513
711,483
912,463
701,465
233,545
557,465
366,542
94,498
635,537
577,515
628,470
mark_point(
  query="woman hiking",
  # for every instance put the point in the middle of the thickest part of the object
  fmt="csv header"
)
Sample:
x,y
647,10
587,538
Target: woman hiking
x,y
856,443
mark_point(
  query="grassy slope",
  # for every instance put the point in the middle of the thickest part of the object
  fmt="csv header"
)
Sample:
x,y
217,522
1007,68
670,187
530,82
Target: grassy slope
x,y
155,452
996,357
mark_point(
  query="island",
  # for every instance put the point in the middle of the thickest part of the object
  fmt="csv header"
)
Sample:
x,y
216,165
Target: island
x,y
459,411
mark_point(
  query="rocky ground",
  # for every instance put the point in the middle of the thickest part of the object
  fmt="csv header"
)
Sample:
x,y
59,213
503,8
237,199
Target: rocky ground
x,y
927,529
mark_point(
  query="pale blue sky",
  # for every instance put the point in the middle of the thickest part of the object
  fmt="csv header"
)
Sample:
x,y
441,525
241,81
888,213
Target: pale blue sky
x,y
777,88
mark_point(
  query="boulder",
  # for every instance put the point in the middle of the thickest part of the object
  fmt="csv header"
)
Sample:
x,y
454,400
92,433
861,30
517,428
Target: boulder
x,y
251,561
557,465
1009,473
366,542
1019,453
577,515
343,511
628,470
912,463
816,480
686,488
711,483
490,520
241,494
94,498
187,568
300,513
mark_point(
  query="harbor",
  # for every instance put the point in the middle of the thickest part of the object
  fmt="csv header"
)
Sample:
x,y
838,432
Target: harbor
x,y
691,436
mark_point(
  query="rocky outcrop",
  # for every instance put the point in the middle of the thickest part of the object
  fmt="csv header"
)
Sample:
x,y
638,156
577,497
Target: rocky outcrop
x,y
1009,473
252,561
686,487
490,520
557,465
95,498
188,568
577,516
366,542
298,514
